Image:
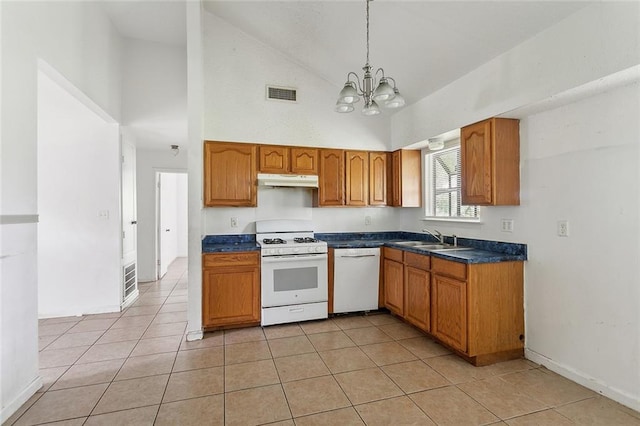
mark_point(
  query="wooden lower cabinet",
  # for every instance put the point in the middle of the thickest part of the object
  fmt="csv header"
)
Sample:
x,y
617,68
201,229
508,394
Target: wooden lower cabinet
x,y
230,289
393,286
417,302
449,312
475,309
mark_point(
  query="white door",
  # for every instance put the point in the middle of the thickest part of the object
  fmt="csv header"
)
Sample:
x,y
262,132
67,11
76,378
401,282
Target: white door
x,y
167,220
129,220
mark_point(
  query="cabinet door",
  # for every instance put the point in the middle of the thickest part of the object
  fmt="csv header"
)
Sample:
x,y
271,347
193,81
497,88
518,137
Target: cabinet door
x,y
417,297
393,286
407,178
378,178
357,178
229,174
396,180
304,161
449,311
331,176
475,149
274,159
231,296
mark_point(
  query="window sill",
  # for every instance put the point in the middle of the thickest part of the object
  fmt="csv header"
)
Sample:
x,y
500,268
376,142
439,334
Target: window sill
x,y
452,219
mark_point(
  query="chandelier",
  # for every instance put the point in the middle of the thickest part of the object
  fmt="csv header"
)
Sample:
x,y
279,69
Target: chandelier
x,y
383,94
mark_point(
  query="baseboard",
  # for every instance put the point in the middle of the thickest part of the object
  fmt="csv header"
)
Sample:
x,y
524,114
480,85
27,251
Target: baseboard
x,y
90,311
194,335
9,409
624,398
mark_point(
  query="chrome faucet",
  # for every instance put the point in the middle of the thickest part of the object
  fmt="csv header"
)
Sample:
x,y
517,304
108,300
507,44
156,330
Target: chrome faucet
x,y
438,236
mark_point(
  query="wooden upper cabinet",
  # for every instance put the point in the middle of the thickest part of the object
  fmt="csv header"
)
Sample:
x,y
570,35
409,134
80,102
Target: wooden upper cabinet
x,y
331,177
304,161
378,182
357,178
274,159
406,178
285,160
229,174
490,157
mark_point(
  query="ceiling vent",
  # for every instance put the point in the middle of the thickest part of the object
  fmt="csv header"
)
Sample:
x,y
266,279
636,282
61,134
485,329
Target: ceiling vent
x,y
287,94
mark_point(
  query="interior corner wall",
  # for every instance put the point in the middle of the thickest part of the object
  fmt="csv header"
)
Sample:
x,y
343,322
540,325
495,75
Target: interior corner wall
x,y
579,162
148,162
78,40
593,43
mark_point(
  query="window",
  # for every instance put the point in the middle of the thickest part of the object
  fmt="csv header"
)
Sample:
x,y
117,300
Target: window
x,y
443,183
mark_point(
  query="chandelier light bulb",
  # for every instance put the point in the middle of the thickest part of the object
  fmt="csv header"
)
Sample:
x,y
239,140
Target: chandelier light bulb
x,y
371,109
348,94
397,101
384,92
344,107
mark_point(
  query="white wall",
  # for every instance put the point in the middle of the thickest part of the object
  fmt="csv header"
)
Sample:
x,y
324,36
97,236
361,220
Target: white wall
x,y
579,162
78,204
148,162
78,40
582,299
182,226
237,69
154,98
296,203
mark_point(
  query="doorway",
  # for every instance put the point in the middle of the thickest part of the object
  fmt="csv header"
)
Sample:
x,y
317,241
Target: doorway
x,y
171,219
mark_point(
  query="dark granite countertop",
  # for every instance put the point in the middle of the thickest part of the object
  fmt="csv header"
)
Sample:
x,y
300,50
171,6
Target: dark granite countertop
x,y
482,251
228,243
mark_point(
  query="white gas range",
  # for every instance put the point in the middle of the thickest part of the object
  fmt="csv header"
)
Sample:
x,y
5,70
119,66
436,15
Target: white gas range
x,y
294,277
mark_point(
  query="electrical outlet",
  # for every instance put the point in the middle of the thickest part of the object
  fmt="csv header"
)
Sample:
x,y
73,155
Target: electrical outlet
x,y
506,225
103,214
563,228
367,220
234,222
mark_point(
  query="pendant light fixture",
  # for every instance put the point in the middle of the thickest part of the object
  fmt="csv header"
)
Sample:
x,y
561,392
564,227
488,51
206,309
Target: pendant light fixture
x,y
383,95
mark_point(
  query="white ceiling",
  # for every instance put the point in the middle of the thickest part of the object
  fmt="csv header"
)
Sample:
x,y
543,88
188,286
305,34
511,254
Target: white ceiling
x,y
423,45
150,20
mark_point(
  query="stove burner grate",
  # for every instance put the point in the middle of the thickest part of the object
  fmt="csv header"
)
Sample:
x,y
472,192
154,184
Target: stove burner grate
x,y
305,240
274,241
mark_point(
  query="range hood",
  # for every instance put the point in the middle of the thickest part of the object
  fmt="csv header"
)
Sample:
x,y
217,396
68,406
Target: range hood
x,y
299,181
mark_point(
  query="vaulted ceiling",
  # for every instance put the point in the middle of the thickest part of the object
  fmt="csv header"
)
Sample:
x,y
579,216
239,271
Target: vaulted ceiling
x,y
423,45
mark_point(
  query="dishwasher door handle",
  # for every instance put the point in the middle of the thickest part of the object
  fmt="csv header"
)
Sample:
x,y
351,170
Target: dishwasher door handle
x,y
359,255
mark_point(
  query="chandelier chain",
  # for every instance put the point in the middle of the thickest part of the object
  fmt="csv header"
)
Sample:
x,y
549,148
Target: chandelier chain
x,y
368,31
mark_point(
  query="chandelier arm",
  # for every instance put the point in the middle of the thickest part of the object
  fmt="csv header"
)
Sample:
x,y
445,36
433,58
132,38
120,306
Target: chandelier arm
x,y
357,81
394,81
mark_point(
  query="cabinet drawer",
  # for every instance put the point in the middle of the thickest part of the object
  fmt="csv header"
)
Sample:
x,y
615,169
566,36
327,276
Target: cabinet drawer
x,y
419,261
449,268
393,254
231,259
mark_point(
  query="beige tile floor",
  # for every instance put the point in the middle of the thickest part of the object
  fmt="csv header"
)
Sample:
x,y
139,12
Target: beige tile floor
x,y
135,368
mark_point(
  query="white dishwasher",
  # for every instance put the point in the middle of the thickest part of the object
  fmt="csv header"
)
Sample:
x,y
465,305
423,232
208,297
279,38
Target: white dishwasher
x,y
355,279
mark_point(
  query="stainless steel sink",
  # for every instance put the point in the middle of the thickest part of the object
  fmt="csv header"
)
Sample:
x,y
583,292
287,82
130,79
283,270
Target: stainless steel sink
x,y
441,247
409,243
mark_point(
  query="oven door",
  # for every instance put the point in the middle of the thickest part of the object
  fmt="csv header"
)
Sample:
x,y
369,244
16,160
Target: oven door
x,y
293,280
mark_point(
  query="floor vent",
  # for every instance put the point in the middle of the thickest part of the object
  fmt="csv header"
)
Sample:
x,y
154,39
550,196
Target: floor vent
x,y
281,93
129,279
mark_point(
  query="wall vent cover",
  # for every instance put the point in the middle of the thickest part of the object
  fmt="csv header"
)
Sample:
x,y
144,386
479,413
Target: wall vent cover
x,y
276,93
